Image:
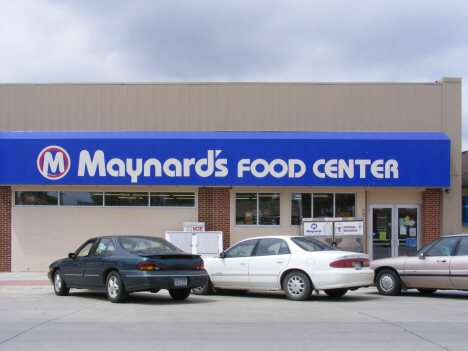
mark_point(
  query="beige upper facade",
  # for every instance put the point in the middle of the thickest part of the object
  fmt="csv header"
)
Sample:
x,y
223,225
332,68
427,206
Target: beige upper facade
x,y
390,107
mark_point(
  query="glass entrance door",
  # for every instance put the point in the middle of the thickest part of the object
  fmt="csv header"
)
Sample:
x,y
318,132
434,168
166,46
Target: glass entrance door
x,y
394,230
408,226
382,233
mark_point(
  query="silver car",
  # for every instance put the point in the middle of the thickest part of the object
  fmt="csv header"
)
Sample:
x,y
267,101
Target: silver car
x,y
440,265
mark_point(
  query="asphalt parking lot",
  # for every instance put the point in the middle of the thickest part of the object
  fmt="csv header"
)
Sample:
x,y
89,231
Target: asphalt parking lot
x,y
32,317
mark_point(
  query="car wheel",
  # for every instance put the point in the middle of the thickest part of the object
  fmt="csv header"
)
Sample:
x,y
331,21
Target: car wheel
x,y
206,289
115,288
427,291
388,283
297,286
60,287
336,292
180,294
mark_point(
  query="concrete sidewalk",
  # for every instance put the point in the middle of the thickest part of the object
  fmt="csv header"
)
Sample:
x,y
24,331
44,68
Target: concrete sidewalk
x,y
24,279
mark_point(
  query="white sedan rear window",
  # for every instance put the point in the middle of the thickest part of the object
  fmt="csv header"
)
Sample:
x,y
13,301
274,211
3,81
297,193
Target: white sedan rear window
x,y
309,244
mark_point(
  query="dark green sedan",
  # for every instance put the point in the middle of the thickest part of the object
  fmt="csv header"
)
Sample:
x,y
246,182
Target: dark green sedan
x,y
120,265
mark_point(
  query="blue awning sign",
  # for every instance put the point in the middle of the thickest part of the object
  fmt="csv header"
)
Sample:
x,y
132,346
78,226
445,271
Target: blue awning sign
x,y
225,159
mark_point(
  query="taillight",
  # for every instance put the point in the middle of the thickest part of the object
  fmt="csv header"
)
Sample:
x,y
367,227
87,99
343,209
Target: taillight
x,y
150,266
350,263
198,265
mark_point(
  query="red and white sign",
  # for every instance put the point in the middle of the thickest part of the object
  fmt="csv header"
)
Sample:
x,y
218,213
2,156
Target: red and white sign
x,y
53,162
194,226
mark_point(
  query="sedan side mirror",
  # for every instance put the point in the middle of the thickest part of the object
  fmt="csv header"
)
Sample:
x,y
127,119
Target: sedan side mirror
x,y
422,256
72,255
222,255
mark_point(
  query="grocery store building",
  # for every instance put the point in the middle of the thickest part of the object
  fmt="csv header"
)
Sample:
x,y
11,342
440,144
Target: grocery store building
x,y
247,159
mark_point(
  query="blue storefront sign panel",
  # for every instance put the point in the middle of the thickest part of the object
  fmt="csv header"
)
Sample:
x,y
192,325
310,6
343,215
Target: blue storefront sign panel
x,y
225,159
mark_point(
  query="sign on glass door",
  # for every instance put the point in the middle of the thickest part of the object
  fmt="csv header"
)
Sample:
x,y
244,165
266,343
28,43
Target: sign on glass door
x,y
394,230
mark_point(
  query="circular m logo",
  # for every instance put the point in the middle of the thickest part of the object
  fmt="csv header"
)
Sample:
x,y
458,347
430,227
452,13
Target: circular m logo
x,y
53,162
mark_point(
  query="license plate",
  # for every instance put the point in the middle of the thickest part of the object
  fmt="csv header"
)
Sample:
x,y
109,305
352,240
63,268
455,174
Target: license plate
x,y
357,265
180,282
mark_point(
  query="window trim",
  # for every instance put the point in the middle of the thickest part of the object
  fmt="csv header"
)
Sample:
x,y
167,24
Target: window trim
x,y
312,204
78,206
59,194
36,191
173,192
257,208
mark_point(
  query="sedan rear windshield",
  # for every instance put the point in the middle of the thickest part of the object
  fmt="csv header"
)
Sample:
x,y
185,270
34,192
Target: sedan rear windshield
x,y
146,244
309,244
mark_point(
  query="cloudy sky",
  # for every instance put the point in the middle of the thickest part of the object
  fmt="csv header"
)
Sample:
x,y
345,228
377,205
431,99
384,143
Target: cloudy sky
x,y
72,41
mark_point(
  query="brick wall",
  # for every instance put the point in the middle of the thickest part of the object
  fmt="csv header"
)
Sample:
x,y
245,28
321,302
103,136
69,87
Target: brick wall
x,y
214,209
431,215
5,229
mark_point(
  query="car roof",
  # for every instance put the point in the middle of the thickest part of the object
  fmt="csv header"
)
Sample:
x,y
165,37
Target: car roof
x,y
273,237
463,234
125,236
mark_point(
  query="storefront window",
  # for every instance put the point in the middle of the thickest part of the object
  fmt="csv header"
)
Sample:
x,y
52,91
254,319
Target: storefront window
x,y
258,209
317,205
301,207
126,199
81,198
344,205
165,199
465,209
38,198
323,205
111,199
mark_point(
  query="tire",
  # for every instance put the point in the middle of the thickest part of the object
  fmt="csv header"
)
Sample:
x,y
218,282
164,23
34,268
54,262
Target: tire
x,y
388,283
115,288
206,289
427,291
297,286
336,292
60,287
180,294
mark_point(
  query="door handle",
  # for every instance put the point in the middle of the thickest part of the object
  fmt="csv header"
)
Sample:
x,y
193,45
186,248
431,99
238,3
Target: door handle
x,y
242,263
279,261
441,261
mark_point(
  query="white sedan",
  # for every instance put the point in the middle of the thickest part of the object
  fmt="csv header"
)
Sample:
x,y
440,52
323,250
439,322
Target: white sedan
x,y
297,265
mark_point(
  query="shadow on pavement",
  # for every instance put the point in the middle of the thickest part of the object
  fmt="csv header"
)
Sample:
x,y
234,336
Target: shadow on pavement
x,y
439,294
142,298
322,297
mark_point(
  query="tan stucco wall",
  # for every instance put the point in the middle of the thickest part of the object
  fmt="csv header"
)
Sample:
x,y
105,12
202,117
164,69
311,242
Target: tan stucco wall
x,y
451,126
410,196
41,235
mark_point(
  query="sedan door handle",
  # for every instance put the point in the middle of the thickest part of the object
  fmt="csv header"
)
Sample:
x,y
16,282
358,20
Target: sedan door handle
x,y
441,261
279,261
242,263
